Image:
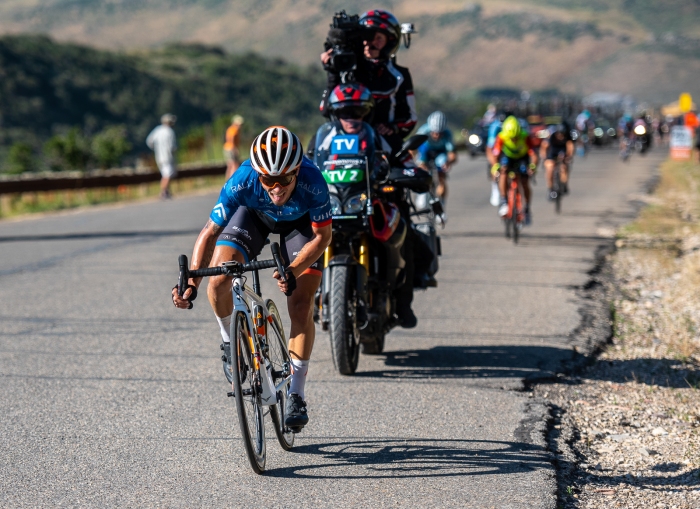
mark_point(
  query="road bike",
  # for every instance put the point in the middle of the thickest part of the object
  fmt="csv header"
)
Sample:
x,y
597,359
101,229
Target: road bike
x,y
515,217
259,367
557,185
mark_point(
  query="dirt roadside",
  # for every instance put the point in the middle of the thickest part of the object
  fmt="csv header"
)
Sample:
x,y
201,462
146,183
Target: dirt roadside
x,y
625,428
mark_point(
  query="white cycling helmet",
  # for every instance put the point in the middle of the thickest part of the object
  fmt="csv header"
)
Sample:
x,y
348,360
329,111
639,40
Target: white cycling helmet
x,y
276,151
437,122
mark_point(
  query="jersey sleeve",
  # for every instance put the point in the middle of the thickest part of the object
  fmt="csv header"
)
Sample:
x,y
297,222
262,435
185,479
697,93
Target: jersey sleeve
x,y
406,116
230,196
497,146
320,204
449,145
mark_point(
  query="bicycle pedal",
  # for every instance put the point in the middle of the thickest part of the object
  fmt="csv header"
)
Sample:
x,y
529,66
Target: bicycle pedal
x,y
296,430
221,347
231,394
223,358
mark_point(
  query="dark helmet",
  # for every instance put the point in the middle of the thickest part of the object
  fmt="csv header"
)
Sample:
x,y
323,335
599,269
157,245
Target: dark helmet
x,y
386,23
350,100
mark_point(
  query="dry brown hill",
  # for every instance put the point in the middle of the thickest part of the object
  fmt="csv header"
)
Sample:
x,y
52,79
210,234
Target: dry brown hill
x,y
648,48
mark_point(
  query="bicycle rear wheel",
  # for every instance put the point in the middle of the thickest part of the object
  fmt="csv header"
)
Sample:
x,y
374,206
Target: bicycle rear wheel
x,y
247,389
281,362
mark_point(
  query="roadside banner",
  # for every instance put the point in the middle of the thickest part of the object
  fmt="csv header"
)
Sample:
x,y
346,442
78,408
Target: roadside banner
x,y
681,143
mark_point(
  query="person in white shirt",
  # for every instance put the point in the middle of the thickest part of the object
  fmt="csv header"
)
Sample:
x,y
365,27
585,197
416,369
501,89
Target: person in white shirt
x,y
163,142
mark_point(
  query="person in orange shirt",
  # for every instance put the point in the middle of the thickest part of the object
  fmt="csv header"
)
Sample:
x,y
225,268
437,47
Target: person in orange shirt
x,y
231,154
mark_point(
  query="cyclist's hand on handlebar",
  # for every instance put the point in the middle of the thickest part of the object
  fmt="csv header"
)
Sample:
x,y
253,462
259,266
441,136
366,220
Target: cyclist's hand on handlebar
x,y
286,287
532,169
184,302
495,168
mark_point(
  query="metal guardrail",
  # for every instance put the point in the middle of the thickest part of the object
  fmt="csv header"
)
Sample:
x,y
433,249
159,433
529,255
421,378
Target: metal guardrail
x,y
55,181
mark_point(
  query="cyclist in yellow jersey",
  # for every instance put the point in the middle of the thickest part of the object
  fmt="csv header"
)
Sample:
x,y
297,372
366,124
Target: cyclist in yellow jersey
x,y
514,150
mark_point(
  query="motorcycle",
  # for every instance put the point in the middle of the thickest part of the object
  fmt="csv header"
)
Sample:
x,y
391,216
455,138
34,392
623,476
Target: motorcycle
x,y
364,263
641,143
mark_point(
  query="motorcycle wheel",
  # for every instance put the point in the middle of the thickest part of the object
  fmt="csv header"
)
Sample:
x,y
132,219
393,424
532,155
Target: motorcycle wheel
x,y
345,337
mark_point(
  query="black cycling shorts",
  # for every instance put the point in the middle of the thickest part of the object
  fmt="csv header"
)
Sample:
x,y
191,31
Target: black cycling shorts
x,y
517,165
553,153
248,229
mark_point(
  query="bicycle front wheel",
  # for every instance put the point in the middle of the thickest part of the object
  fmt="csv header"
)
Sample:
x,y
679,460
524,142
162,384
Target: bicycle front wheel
x,y
281,368
247,390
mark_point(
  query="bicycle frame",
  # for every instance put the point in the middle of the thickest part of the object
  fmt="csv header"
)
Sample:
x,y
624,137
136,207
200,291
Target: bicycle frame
x,y
515,205
250,302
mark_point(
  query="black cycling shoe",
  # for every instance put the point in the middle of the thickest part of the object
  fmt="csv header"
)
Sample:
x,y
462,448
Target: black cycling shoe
x,y
407,319
295,417
226,359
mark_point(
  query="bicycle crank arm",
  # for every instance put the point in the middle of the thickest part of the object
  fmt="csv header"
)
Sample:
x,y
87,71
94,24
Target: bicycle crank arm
x,y
283,384
246,392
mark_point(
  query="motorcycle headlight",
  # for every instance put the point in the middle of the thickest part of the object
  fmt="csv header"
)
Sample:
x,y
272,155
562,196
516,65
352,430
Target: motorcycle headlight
x,y
474,139
639,130
355,204
336,208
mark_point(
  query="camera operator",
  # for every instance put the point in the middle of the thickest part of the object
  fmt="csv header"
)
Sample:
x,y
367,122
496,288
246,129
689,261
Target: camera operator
x,y
362,49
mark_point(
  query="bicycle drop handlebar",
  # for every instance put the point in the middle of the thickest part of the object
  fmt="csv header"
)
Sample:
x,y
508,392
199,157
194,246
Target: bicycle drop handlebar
x,y
230,268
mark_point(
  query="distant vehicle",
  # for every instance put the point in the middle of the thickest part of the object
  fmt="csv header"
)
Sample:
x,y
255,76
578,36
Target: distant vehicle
x,y
476,139
603,133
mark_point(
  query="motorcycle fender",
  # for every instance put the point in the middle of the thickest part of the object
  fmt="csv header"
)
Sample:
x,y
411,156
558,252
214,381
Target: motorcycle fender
x,y
359,271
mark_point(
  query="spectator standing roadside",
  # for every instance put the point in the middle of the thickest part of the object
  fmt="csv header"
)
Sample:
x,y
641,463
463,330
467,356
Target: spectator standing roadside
x,y
231,153
163,142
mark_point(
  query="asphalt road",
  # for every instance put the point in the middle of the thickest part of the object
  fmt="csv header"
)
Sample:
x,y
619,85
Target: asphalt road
x,y
109,397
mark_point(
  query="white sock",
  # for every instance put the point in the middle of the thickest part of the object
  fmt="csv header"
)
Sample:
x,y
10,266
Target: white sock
x,y
299,371
225,324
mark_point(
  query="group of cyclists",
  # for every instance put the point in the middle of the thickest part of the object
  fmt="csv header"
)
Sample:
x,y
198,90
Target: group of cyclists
x,y
280,190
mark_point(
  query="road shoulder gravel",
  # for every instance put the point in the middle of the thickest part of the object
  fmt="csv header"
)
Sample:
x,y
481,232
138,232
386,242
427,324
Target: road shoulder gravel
x,y
625,422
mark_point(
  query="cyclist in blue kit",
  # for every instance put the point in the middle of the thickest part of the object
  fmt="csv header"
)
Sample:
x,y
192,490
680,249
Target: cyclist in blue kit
x,y
437,149
278,190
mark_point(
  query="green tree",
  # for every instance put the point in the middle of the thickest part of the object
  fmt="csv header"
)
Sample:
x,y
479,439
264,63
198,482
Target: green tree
x,y
20,158
109,146
69,152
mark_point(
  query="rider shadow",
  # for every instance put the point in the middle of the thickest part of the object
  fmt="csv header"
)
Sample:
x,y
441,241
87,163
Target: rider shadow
x,y
510,361
413,457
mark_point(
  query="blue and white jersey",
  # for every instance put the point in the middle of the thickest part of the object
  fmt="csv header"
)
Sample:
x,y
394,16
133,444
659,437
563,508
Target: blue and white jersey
x,y
494,129
431,149
244,189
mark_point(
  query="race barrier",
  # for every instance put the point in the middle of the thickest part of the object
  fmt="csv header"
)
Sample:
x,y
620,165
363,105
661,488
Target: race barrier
x,y
55,181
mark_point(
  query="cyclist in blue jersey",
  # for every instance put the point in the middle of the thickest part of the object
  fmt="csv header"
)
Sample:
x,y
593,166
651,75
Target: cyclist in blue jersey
x,y
494,130
438,149
277,190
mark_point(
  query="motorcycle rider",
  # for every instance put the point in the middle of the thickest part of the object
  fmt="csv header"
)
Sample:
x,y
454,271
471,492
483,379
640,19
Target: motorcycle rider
x,y
349,106
391,85
277,190
437,148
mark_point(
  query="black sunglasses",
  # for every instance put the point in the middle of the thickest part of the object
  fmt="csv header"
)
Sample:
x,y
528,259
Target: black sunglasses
x,y
352,113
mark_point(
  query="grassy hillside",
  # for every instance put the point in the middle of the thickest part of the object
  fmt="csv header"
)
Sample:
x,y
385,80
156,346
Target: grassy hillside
x,y
574,44
69,106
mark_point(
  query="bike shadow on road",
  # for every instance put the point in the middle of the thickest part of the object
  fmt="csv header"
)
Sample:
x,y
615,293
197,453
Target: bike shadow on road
x,y
413,457
541,363
511,361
